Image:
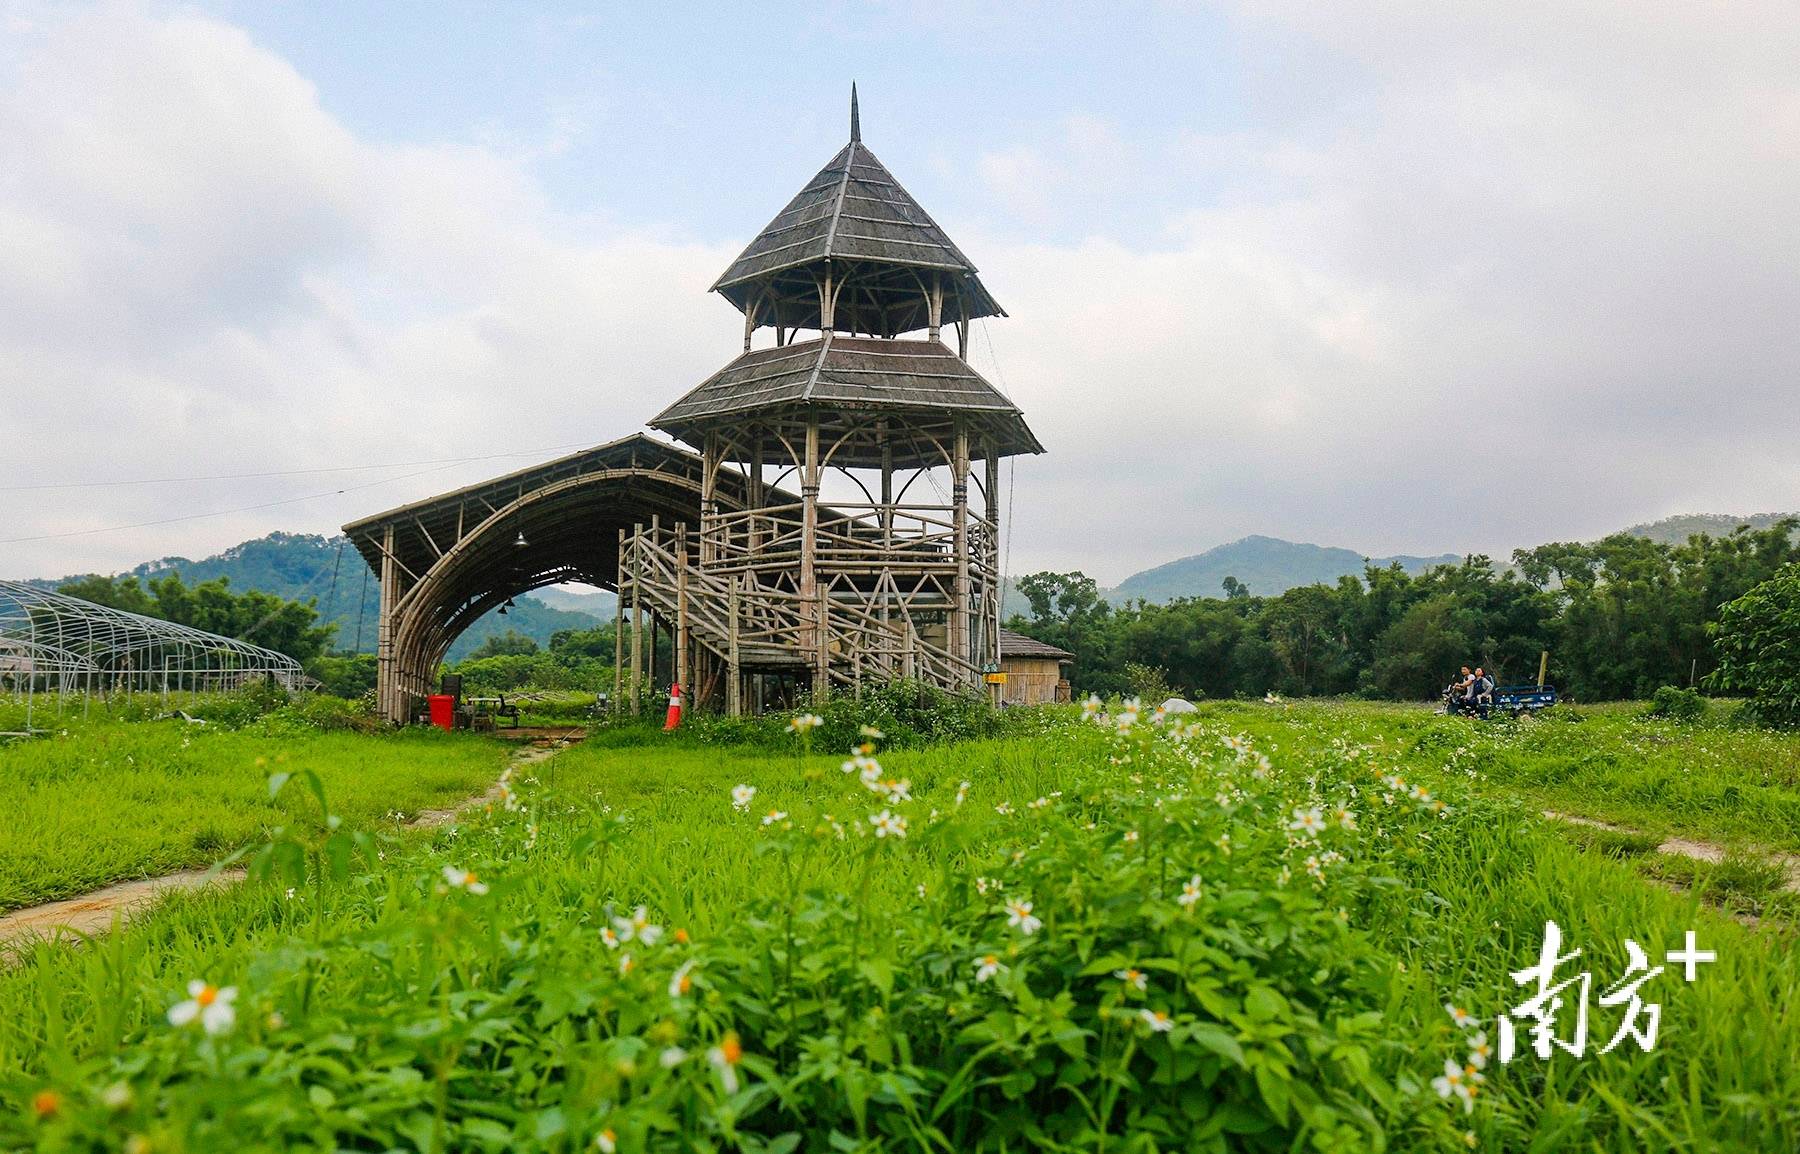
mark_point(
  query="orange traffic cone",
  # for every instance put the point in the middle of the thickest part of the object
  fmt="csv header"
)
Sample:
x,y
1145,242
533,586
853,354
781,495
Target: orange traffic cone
x,y
674,718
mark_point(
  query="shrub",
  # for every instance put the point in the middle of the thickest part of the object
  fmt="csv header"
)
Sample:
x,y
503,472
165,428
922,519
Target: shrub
x,y
1672,704
909,714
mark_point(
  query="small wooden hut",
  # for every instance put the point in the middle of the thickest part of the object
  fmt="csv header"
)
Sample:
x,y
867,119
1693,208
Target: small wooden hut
x,y
1036,672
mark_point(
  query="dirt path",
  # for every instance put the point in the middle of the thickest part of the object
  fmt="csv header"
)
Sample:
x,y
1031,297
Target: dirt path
x,y
1705,851
96,912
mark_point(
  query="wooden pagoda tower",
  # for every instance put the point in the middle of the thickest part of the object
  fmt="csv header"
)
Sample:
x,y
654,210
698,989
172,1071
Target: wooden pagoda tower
x,y
886,561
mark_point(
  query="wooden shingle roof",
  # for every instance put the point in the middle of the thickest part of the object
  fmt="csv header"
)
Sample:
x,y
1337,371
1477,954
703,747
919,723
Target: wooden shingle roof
x,y
853,209
849,373
1018,645
855,213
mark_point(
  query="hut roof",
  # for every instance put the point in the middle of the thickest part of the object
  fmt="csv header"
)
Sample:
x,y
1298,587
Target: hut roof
x,y
840,372
1018,645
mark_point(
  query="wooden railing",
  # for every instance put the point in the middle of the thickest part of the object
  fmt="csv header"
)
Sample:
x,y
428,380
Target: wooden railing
x,y
853,536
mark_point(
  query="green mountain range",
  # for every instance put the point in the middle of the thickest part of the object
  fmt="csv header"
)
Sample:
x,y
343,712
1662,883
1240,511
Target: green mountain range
x,y
1268,565
1675,530
330,573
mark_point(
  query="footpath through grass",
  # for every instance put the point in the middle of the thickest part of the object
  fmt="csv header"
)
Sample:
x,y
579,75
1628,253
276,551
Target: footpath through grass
x,y
103,801
1236,936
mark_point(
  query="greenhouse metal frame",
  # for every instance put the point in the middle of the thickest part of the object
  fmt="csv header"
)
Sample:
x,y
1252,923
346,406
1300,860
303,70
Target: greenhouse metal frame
x,y
54,644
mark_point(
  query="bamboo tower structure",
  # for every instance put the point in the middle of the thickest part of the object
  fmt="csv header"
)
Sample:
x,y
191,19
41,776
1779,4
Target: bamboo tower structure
x,y
829,519
896,573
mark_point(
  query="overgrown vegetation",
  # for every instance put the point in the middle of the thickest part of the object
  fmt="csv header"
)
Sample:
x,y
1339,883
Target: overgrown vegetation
x,y
837,967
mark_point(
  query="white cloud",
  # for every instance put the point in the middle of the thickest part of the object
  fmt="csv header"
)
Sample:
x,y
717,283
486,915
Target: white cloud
x,y
1462,277
1535,278
202,272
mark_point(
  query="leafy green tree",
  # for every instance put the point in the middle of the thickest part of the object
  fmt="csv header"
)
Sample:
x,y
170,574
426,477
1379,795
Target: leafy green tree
x,y
1302,626
1757,639
345,674
260,618
115,593
571,644
508,644
1415,656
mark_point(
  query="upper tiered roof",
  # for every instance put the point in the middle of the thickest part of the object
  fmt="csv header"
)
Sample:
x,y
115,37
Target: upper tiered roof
x,y
856,219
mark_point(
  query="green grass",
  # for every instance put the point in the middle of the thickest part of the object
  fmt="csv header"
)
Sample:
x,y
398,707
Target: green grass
x,y
1307,1015
1709,782
105,800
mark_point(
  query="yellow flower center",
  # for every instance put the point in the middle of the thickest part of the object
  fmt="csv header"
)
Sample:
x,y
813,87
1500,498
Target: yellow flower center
x,y
207,995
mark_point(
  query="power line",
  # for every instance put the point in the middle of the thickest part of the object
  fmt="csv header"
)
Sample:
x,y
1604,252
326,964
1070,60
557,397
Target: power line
x,y
284,472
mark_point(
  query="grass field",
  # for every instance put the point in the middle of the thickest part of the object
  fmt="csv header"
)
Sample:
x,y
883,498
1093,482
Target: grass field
x,y
101,800
1198,969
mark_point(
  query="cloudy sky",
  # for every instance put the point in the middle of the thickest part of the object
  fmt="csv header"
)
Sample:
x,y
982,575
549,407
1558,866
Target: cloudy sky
x,y
1399,277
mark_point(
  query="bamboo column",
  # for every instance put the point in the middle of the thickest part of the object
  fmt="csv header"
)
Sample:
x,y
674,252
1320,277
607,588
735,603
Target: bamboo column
x,y
822,671
619,627
682,657
809,547
959,495
637,618
387,671
990,649
734,686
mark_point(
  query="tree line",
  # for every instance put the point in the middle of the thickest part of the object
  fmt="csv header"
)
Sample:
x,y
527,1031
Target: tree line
x,y
1620,617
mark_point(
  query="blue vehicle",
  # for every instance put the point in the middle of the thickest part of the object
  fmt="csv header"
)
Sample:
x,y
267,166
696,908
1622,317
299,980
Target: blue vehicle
x,y
1508,700
1518,700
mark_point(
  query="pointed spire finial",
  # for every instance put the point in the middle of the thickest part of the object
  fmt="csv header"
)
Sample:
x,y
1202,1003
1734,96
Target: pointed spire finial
x,y
855,117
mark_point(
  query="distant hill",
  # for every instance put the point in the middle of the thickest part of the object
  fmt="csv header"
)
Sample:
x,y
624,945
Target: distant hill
x,y
1268,565
301,567
1676,530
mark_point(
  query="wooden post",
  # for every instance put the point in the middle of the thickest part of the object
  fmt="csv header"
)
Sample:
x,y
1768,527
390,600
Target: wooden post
x,y
809,529
387,670
619,628
959,495
637,618
754,497
822,670
709,501
682,672
1543,667
990,649
995,582
734,685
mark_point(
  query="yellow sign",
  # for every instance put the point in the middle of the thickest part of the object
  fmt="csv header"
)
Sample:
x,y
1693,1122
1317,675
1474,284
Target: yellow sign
x,y
996,679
